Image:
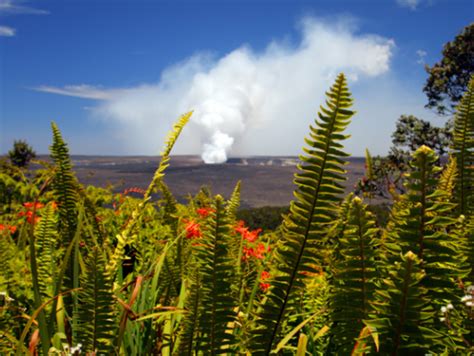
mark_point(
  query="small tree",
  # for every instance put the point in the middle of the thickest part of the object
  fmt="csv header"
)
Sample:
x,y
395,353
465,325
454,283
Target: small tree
x,y
411,133
386,173
448,79
21,154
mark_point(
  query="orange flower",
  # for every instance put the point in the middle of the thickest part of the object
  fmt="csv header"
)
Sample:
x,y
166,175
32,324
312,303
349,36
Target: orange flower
x,y
250,236
193,230
134,190
10,228
204,212
259,251
247,252
240,227
54,205
30,217
33,205
264,276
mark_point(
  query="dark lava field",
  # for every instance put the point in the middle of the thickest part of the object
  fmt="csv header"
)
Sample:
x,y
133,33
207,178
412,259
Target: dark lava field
x,y
266,181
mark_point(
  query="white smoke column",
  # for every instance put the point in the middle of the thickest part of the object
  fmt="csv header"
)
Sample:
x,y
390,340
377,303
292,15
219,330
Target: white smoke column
x,y
246,102
245,89
225,98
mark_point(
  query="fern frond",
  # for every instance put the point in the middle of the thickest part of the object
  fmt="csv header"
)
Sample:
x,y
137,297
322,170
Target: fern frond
x,y
96,313
64,187
169,143
463,238
234,201
354,278
188,337
421,226
336,232
403,317
217,271
46,247
447,180
317,195
169,205
126,236
463,150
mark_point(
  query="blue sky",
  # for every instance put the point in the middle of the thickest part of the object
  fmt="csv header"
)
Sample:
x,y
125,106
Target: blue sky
x,y
115,74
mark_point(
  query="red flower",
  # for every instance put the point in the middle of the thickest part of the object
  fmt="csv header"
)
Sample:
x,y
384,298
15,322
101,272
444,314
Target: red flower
x,y
29,216
259,251
247,252
193,230
33,205
250,236
134,190
240,228
204,212
264,276
10,228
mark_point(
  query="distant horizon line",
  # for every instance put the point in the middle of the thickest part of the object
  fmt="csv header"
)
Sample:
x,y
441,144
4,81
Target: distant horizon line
x,y
172,155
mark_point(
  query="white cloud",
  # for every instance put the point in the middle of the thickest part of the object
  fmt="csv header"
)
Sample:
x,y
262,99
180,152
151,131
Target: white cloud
x,y
14,7
80,91
421,56
411,4
245,102
6,31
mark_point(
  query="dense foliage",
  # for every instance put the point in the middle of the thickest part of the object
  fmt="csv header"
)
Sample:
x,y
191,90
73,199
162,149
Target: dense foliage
x,y
84,270
21,154
449,78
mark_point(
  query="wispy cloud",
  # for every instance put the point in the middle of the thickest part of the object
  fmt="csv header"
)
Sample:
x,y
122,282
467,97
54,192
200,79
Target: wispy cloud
x,y
421,56
82,91
16,7
6,31
247,101
411,4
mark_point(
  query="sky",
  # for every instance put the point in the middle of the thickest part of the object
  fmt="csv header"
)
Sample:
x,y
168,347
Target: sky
x,y
115,75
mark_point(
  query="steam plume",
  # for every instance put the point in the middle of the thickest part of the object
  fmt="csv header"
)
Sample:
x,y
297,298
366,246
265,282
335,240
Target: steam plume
x,y
242,92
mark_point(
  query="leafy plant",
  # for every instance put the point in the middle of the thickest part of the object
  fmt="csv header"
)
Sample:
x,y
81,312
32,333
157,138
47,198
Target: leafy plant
x,y
21,154
89,270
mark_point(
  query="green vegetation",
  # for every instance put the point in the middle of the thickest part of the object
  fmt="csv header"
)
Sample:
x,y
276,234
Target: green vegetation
x,y
448,79
21,154
85,270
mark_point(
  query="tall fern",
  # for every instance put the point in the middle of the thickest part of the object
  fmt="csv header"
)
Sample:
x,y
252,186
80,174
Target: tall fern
x,y
420,225
463,150
318,192
403,317
64,187
96,308
354,278
217,301
126,236
188,337
234,201
46,247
